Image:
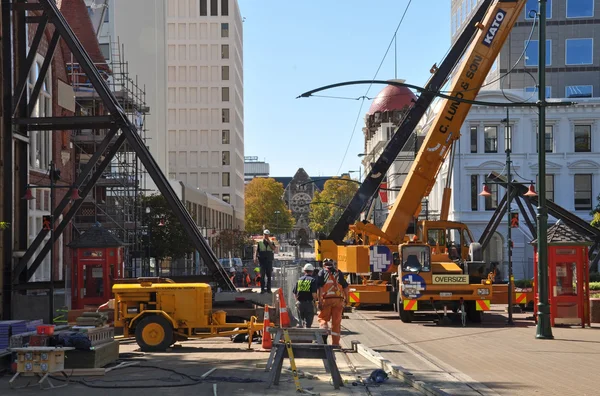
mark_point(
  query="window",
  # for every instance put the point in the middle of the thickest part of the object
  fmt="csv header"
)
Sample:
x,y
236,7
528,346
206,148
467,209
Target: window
x,y
225,179
225,158
535,90
225,115
225,7
105,49
491,202
579,91
532,5
203,8
579,51
473,139
531,54
225,94
549,138
224,30
490,139
550,187
227,198
225,136
583,192
40,142
225,51
475,193
580,8
225,73
583,138
214,7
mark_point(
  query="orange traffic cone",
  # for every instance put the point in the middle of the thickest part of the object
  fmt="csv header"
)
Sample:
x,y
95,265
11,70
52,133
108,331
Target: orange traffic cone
x,y
284,317
267,342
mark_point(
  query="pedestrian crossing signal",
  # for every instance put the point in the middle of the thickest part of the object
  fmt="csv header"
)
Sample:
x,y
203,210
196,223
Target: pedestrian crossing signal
x,y
514,220
47,222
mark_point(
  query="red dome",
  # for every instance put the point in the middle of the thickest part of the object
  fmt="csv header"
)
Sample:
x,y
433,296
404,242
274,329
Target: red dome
x,y
392,98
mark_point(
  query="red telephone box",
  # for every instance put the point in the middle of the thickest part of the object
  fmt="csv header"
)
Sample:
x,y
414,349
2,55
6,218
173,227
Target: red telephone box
x,y
97,262
568,275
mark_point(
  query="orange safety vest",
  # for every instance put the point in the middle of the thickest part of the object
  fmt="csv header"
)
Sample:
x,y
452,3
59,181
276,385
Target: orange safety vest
x,y
331,288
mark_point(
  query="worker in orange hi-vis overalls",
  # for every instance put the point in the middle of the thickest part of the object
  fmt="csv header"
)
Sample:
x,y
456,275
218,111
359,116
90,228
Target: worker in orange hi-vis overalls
x,y
333,295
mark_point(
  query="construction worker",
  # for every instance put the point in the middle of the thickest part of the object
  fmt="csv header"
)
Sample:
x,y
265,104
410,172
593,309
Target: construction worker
x,y
236,277
257,276
332,295
305,291
265,254
246,277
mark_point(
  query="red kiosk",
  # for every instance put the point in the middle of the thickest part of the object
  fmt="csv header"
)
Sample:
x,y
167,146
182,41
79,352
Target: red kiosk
x,y
568,275
97,261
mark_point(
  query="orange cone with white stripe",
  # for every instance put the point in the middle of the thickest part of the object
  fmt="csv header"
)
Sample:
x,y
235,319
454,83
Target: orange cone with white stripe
x,y
284,317
267,342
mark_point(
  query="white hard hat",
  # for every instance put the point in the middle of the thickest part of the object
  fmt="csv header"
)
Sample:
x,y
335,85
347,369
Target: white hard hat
x,y
266,232
309,267
232,269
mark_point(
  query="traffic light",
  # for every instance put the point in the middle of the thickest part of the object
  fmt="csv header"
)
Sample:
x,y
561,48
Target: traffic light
x,y
514,220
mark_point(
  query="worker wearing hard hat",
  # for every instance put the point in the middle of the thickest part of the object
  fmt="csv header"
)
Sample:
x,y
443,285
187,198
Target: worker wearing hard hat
x,y
332,295
257,276
305,292
264,254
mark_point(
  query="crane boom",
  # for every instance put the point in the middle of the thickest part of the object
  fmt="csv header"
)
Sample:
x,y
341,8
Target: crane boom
x,y
373,179
446,128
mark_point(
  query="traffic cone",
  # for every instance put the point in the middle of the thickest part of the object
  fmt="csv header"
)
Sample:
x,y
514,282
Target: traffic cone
x,y
284,317
267,342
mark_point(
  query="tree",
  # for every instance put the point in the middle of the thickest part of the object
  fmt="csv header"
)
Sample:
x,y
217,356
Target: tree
x,y
328,205
264,197
234,241
167,235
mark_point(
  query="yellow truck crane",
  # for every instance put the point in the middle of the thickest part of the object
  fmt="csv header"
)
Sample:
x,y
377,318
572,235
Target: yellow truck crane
x,y
436,265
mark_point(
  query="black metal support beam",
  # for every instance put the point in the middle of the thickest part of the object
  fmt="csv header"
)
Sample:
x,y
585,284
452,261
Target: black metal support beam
x,y
492,225
76,205
130,131
26,68
43,72
58,211
7,158
379,169
22,6
528,220
59,123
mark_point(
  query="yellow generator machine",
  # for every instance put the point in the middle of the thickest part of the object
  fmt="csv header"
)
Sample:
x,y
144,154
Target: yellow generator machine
x,y
160,312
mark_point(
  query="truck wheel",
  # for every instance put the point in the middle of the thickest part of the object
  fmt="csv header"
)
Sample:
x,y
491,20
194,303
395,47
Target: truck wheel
x,y
154,334
472,313
405,316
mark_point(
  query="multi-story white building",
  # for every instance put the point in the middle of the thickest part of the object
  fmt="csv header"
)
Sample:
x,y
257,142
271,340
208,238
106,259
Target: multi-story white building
x,y
254,168
190,55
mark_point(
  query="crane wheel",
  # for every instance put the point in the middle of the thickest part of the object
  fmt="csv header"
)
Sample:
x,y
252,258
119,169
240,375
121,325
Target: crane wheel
x,y
154,334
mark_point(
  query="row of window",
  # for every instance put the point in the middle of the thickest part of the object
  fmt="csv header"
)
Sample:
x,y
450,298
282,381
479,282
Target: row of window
x,y
575,9
582,138
204,177
201,160
210,218
571,91
582,197
214,7
578,52
40,146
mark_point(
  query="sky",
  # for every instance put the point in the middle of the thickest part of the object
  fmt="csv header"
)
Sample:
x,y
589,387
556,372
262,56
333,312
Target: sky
x,y
291,47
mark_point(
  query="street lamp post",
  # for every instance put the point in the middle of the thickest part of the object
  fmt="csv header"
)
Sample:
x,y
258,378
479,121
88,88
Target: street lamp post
x,y
277,212
359,171
544,329
508,148
149,231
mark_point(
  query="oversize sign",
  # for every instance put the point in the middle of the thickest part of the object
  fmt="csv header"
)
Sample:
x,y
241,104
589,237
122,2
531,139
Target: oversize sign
x,y
495,26
450,279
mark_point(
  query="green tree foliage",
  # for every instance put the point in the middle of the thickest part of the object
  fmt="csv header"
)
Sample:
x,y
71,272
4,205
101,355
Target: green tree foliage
x,y
4,225
264,197
170,239
328,205
234,241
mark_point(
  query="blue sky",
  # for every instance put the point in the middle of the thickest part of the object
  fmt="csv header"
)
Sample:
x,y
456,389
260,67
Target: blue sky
x,y
294,46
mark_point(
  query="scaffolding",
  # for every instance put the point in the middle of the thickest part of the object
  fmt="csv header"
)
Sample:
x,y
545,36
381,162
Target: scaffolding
x,y
114,201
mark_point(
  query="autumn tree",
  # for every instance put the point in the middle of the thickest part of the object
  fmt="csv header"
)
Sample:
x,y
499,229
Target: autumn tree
x,y
167,235
264,198
328,205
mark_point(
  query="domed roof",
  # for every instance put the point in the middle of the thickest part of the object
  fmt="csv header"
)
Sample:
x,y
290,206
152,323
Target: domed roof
x,y
392,98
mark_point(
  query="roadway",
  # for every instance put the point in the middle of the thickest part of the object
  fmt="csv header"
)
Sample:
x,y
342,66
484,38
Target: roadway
x,y
486,359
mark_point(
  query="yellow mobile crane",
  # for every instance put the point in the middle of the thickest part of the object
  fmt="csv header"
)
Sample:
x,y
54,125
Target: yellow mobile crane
x,y
440,266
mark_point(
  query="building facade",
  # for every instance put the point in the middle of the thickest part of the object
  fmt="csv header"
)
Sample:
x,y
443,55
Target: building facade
x,y
254,168
189,53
